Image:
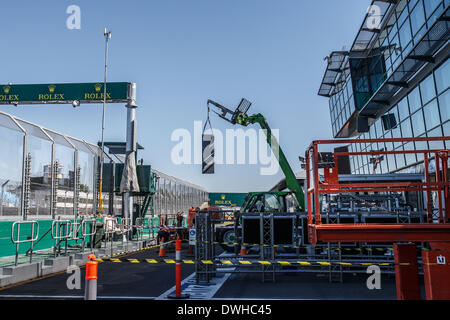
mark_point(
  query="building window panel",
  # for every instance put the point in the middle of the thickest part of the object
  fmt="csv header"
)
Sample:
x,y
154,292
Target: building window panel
x,y
396,134
418,124
442,77
400,159
391,162
405,35
427,89
444,105
431,112
403,109
417,18
446,130
414,100
430,7
421,145
410,157
406,129
437,132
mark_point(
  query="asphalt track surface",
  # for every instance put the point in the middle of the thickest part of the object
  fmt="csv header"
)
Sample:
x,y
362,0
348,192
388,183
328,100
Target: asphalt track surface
x,y
115,280
147,281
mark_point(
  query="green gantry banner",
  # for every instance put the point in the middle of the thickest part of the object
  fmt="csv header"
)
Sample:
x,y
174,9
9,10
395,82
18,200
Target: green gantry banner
x,y
116,92
227,199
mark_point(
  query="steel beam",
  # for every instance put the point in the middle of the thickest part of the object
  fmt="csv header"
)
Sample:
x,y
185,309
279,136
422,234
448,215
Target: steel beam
x,y
379,233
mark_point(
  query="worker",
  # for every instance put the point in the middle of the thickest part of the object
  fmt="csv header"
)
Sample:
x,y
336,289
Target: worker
x,y
163,233
191,217
180,219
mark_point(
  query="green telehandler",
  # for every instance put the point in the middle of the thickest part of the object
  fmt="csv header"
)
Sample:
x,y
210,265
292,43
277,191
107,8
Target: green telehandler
x,y
270,201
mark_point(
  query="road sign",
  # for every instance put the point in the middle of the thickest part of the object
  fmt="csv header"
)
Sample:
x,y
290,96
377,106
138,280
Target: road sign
x,y
62,93
192,237
440,259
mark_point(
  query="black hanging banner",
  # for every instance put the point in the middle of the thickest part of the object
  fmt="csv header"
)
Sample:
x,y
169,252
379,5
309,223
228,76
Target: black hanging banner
x,y
207,154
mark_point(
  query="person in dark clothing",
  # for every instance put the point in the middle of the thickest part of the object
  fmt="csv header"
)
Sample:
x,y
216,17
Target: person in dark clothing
x,y
163,233
180,219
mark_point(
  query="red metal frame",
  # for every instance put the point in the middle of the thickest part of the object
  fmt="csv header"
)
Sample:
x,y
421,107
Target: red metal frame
x,y
425,232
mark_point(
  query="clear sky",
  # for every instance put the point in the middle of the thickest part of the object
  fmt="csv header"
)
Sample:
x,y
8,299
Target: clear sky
x,y
181,53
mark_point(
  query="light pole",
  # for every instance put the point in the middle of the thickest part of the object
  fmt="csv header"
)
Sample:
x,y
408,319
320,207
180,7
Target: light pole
x,y
107,35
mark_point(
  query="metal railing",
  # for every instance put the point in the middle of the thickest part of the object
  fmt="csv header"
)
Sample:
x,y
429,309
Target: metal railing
x,y
84,233
16,240
61,231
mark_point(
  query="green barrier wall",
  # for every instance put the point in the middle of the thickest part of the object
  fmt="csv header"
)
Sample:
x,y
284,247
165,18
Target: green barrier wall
x,y
8,248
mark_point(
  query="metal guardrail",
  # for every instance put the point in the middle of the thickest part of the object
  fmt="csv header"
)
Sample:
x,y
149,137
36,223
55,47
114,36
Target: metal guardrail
x,y
16,240
61,231
85,234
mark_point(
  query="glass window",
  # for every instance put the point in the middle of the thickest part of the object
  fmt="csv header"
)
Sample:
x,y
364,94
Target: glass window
x,y
405,34
436,133
430,6
417,18
396,134
418,124
378,128
427,89
431,112
444,104
414,100
400,158
401,11
442,78
412,3
403,110
410,157
421,145
271,203
406,129
446,129
391,162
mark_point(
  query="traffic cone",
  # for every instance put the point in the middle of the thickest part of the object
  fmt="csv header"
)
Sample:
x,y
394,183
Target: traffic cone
x,y
190,252
91,278
162,248
243,251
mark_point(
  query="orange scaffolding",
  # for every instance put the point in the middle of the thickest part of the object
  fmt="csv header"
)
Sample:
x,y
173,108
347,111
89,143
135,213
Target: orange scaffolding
x,y
435,231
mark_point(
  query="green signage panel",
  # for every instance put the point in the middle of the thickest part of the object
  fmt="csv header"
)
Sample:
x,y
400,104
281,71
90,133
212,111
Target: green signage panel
x,y
63,93
227,199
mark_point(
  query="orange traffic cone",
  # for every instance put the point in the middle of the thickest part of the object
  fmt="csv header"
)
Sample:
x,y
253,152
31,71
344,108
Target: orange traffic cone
x,y
162,248
243,251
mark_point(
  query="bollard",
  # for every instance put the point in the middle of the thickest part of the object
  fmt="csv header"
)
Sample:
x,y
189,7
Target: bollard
x,y
178,294
90,292
162,248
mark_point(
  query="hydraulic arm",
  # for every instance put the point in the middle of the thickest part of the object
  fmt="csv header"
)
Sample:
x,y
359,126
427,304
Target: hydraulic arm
x,y
240,117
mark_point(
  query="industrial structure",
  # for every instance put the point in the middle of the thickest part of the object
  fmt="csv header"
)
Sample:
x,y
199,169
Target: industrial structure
x,y
378,194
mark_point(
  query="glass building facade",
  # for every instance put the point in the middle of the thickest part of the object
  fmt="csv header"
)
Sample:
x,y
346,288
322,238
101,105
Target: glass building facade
x,y
174,195
398,70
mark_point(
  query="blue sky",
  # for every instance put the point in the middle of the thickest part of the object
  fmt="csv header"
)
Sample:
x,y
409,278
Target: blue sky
x,y
181,53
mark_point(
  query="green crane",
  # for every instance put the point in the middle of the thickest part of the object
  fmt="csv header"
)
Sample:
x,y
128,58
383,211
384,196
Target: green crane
x,y
239,116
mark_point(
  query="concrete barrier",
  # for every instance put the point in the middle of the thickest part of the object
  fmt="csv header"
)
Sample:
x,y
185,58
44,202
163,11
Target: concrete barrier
x,y
15,274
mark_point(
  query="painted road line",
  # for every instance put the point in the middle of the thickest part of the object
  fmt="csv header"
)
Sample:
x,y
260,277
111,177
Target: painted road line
x,y
201,291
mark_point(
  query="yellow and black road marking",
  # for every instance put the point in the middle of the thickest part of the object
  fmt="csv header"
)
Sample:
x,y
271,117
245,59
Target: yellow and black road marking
x,y
250,262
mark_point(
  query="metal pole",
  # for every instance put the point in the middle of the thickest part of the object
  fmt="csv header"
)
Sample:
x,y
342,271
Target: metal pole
x,y
130,145
100,203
